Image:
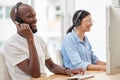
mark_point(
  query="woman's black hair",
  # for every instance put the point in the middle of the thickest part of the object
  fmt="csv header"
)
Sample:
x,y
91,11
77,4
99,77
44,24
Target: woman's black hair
x,y
77,18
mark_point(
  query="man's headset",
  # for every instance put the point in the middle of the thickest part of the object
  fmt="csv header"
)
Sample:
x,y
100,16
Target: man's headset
x,y
16,13
78,21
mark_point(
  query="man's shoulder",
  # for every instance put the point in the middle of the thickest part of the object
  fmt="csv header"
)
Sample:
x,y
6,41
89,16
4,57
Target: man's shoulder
x,y
13,39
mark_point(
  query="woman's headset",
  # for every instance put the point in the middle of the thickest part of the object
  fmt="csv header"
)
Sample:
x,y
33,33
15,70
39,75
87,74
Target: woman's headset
x,y
77,20
16,13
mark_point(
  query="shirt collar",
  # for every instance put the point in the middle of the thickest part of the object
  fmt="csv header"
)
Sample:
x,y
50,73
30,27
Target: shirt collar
x,y
77,38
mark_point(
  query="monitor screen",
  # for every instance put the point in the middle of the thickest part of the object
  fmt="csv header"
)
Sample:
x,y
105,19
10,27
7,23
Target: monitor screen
x,y
113,40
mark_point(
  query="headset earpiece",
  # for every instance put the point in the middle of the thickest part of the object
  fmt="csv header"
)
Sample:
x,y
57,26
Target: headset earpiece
x,y
18,20
16,13
77,22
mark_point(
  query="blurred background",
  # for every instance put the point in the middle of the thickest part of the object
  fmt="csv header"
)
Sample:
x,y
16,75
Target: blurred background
x,y
55,17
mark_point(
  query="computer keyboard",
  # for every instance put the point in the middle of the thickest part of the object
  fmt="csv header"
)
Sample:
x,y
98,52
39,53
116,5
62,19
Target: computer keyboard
x,y
79,77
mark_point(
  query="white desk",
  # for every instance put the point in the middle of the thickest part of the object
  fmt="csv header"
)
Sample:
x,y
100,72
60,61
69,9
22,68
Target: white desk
x,y
99,75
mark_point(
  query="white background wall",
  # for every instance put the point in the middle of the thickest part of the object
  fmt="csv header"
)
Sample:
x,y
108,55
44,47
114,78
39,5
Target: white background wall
x,y
97,8
97,35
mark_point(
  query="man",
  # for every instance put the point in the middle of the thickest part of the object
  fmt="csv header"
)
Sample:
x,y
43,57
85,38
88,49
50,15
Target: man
x,y
26,53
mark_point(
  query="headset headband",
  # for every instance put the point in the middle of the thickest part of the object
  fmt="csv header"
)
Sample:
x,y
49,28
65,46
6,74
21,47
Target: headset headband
x,y
16,10
78,17
17,6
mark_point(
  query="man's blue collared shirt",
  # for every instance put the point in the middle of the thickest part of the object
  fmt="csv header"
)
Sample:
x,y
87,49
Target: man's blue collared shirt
x,y
77,53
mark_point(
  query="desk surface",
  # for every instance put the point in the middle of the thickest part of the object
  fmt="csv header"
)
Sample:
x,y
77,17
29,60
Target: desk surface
x,y
99,75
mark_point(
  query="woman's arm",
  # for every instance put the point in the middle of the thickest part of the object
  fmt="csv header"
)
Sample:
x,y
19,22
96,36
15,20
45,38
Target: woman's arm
x,y
96,67
100,62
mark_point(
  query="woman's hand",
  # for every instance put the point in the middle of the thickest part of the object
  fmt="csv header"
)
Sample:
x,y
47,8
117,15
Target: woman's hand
x,y
71,72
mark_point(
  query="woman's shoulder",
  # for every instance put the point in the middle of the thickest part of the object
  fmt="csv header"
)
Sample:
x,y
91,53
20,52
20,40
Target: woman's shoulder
x,y
69,38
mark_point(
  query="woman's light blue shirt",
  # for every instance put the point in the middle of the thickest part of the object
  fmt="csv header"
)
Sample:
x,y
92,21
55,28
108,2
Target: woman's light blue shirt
x,y
77,53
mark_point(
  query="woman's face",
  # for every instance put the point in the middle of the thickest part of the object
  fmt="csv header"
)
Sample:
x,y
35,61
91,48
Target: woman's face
x,y
86,23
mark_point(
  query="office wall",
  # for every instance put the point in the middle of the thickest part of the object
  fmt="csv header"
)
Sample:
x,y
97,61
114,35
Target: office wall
x,y
97,35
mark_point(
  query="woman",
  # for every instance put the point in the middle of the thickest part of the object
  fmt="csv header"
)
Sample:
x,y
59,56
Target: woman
x,y
76,49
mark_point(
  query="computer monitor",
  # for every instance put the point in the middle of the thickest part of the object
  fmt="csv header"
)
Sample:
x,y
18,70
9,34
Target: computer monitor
x,y
113,40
